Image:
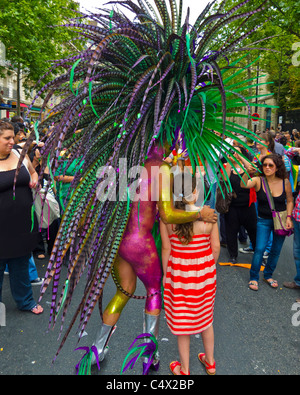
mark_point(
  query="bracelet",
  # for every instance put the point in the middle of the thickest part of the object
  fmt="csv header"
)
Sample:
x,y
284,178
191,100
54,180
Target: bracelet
x,y
289,216
200,216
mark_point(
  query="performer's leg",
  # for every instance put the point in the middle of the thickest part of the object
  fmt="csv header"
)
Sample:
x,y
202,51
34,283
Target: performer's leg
x,y
127,279
149,271
151,278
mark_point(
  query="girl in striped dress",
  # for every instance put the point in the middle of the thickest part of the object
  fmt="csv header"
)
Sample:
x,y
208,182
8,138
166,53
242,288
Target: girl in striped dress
x,y
189,253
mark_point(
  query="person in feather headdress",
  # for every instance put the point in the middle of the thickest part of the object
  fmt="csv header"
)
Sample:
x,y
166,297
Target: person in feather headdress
x,y
136,84
137,254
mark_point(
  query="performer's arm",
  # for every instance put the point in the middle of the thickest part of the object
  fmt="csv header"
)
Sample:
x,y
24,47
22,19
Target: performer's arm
x,y
168,213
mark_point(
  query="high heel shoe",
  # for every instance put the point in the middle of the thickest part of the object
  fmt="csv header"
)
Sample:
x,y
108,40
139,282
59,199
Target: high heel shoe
x,y
154,366
101,343
151,325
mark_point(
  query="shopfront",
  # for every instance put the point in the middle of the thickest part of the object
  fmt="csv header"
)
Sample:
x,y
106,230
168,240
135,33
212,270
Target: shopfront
x,y
10,109
5,110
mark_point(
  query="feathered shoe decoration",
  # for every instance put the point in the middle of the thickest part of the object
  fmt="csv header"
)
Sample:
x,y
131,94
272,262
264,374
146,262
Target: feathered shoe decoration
x,y
147,350
84,366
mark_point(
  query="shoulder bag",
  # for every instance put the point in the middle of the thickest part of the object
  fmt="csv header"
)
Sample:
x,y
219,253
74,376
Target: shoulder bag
x,y
279,217
46,206
222,205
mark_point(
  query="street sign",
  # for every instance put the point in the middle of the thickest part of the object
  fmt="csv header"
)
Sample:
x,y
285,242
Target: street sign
x,y
255,117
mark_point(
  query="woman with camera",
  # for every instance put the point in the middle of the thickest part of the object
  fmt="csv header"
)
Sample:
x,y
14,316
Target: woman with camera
x,y
273,173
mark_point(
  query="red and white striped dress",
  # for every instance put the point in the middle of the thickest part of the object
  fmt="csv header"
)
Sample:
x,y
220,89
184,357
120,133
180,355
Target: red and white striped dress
x,y
190,288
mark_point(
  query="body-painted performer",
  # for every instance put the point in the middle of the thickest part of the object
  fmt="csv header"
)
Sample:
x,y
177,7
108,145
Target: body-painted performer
x,y
136,83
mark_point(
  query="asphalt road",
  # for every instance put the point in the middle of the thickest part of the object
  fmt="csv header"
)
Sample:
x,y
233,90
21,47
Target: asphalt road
x,y
256,333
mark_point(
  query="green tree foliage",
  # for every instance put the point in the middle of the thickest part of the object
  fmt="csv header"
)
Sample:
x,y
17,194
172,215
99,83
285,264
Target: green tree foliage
x,y
283,73
33,36
274,35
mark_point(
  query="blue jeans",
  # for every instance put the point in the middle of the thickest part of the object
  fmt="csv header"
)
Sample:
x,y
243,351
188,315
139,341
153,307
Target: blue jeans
x,y
19,281
264,229
269,244
33,274
296,248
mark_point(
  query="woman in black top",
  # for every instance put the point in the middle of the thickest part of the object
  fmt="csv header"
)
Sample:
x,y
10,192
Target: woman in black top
x,y
241,210
273,169
19,230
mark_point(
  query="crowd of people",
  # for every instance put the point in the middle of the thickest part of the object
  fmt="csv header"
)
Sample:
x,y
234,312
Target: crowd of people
x,y
189,251
275,159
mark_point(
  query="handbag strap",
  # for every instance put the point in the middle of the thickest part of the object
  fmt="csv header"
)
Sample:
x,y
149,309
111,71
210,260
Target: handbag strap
x,y
17,153
268,193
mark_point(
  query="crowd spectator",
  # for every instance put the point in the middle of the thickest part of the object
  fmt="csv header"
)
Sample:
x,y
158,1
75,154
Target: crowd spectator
x,y
295,135
20,135
273,169
211,178
20,138
295,284
242,210
64,176
289,141
46,234
265,146
17,118
18,239
279,148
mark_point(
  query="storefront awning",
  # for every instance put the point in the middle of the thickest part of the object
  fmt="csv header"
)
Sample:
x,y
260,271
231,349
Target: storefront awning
x,y
14,103
36,109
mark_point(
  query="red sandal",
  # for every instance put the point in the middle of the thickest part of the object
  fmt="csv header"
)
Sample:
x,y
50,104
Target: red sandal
x,y
184,374
173,365
201,357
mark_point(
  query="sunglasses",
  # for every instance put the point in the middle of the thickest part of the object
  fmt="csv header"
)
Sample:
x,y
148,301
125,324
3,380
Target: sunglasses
x,y
268,165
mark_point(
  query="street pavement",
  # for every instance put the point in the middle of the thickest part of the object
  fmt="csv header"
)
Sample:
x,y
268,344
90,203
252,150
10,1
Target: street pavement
x,y
256,333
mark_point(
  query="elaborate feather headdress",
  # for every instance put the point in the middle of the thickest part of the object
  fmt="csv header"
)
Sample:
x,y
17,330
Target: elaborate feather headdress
x,y
138,82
